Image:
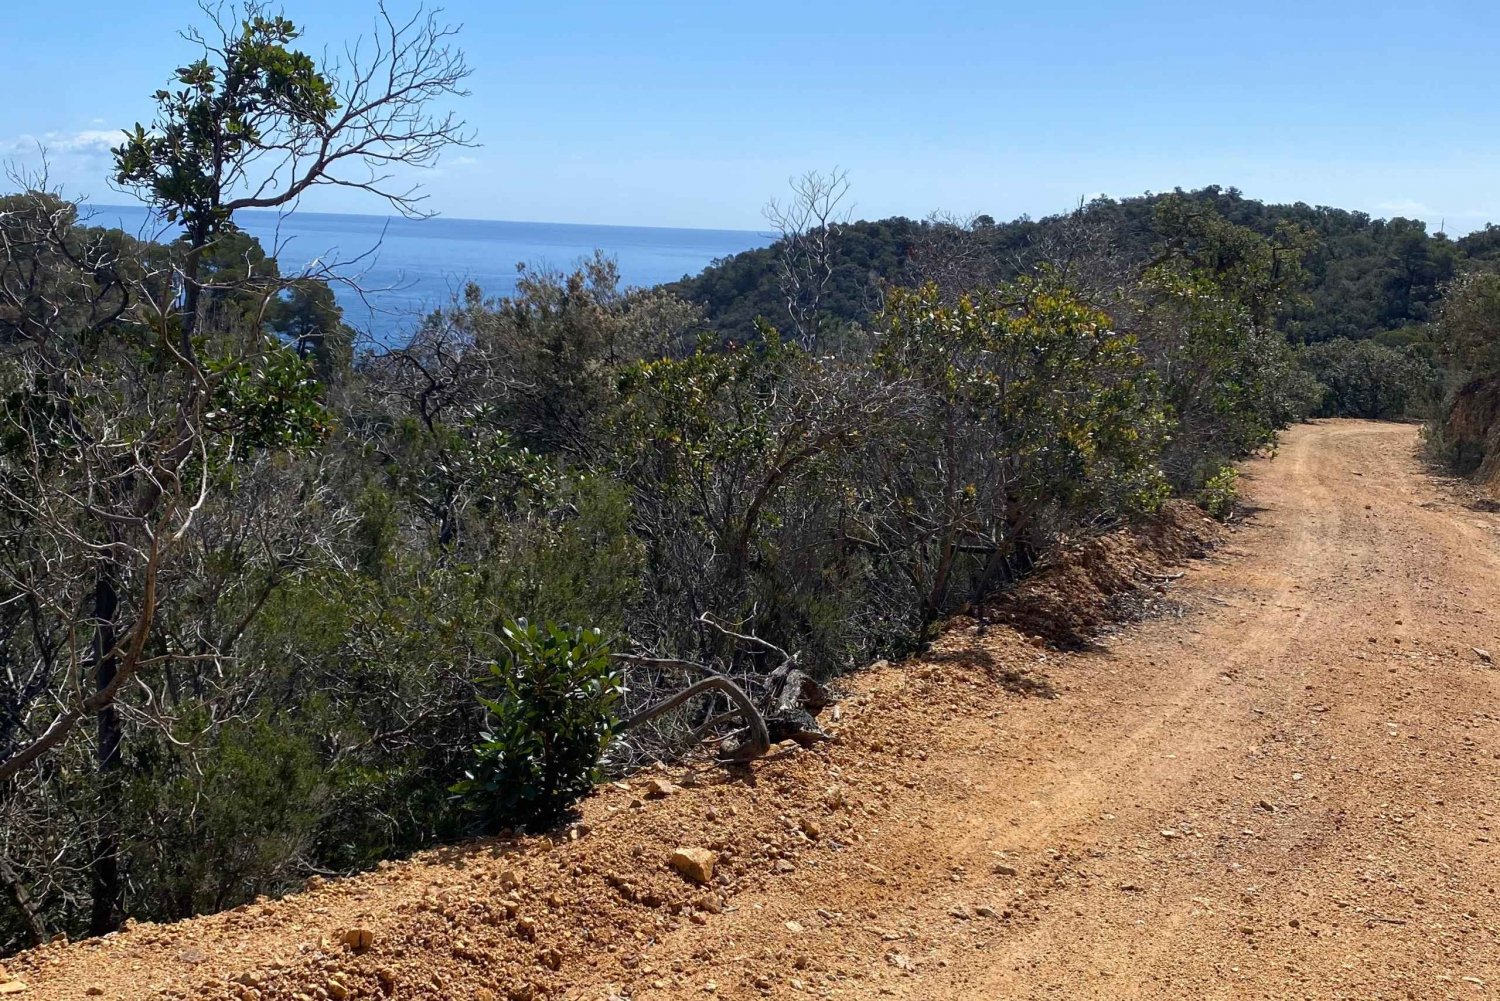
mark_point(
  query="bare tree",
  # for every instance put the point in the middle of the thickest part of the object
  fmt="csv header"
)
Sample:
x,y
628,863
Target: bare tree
x,y
809,224
258,124
956,254
1082,254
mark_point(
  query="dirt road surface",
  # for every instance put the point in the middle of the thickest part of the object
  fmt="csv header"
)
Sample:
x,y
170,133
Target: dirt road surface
x,y
1288,791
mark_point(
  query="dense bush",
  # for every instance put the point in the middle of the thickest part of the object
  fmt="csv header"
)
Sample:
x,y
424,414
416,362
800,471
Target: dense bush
x,y
1030,417
1464,431
1367,379
1469,324
1220,493
1206,310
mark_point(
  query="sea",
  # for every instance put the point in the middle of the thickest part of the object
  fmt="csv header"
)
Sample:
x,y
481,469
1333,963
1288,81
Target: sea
x,y
401,269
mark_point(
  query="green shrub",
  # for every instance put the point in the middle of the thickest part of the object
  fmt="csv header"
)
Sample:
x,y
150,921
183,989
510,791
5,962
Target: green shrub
x,y
551,699
1366,379
1303,395
1032,416
1220,492
217,823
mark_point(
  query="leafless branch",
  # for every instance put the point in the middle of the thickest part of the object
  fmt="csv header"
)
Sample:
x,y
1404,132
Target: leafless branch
x,y
809,223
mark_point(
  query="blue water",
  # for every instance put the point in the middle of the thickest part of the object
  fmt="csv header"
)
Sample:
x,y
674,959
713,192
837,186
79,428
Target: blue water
x,y
408,267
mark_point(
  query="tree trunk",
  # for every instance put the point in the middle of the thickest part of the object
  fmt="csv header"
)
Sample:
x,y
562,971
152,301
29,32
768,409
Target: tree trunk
x,y
106,884
199,235
21,897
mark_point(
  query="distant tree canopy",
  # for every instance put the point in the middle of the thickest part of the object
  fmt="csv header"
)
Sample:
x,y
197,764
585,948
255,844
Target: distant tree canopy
x,y
737,290
1361,276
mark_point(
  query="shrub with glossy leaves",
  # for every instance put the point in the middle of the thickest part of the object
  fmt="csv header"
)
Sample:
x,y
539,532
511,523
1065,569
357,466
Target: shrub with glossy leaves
x,y
551,699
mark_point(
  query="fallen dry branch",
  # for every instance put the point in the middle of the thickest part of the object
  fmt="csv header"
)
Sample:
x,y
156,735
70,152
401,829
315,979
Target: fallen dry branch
x,y
756,740
784,705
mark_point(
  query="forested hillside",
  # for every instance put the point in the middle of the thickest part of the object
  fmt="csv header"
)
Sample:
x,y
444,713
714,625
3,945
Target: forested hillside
x,y
1364,277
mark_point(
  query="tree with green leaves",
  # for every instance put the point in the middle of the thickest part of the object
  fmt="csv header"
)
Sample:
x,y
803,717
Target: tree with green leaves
x,y
254,123
141,396
309,317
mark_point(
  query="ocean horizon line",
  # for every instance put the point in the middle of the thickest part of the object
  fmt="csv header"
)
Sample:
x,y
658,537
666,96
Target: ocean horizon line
x,y
141,207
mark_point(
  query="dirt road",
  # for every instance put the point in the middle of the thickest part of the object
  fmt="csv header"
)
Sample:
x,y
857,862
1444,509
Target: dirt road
x,y
1290,791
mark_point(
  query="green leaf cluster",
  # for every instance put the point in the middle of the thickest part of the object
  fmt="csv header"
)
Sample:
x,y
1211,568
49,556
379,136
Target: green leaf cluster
x,y
551,698
220,111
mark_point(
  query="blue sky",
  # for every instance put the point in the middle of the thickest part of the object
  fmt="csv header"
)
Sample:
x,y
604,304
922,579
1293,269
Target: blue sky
x,y
695,113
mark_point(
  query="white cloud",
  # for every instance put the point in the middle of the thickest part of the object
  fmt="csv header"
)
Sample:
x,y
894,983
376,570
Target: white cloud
x,y
86,142
1407,207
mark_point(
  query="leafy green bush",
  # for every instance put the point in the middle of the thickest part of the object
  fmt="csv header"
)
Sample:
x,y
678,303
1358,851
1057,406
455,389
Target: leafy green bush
x,y
1469,323
1208,329
1304,394
1031,417
212,822
551,699
1461,431
1366,379
1220,492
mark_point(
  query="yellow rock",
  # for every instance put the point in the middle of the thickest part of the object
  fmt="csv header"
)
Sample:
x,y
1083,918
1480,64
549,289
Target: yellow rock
x,y
359,939
696,864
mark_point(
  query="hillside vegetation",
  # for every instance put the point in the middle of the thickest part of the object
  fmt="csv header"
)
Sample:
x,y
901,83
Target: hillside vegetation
x,y
1363,277
1364,300
274,607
